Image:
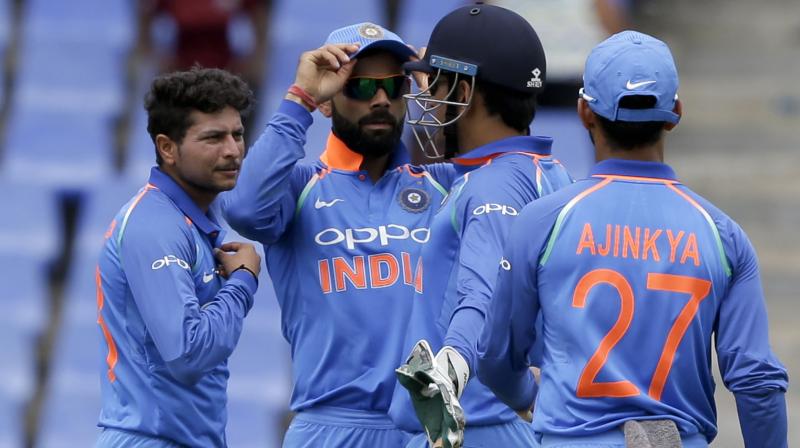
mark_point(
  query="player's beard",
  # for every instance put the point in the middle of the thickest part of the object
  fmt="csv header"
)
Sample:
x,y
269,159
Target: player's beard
x,y
370,144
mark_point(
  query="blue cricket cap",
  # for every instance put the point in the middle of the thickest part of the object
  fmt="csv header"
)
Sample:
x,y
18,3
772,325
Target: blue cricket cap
x,y
631,63
371,36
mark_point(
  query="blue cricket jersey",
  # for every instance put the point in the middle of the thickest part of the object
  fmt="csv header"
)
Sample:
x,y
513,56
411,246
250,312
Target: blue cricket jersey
x,y
344,256
634,275
168,322
467,236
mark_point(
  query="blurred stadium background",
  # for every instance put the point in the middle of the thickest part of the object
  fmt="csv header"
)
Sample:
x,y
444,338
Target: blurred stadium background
x,y
73,148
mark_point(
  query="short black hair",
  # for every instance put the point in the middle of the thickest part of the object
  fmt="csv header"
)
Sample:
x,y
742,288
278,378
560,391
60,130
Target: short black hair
x,y
629,135
517,110
173,97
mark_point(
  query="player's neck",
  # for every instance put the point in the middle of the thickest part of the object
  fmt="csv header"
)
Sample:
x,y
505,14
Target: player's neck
x,y
200,196
649,153
375,166
491,129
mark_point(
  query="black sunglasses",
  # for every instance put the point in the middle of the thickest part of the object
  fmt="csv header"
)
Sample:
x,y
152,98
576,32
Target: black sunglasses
x,y
365,88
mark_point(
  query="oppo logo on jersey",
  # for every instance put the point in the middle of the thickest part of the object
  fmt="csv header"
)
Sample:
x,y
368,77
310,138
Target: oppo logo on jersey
x,y
489,208
168,260
383,234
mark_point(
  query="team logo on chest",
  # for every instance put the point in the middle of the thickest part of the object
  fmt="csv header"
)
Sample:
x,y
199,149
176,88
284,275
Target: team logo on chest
x,y
414,200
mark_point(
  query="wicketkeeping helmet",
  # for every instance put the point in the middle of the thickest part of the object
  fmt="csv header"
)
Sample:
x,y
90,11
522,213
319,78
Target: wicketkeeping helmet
x,y
483,42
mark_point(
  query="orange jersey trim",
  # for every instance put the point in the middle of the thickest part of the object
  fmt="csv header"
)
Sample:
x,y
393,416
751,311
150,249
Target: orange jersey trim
x,y
111,358
339,157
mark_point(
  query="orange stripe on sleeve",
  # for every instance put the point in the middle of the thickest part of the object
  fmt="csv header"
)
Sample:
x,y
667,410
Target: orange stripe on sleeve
x,y
111,359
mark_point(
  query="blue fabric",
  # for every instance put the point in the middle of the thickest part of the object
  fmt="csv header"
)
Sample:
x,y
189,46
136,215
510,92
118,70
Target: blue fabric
x,y
338,427
512,434
467,236
370,36
117,438
642,247
168,322
344,256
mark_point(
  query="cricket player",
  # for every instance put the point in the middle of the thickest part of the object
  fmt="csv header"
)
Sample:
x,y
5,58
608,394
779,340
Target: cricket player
x,y
486,66
635,277
342,235
170,300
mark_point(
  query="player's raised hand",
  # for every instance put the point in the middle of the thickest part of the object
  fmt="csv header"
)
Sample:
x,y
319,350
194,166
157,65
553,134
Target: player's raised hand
x,y
421,78
323,72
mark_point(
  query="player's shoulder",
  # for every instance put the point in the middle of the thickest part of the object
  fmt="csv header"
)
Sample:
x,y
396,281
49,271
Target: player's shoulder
x,y
554,203
735,241
151,213
724,223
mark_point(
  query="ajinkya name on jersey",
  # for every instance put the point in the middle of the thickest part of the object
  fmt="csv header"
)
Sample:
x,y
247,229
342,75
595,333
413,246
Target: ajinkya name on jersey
x,y
372,270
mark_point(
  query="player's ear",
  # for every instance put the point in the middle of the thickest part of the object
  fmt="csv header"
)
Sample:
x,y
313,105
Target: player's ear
x,y
678,109
464,91
167,149
586,115
325,108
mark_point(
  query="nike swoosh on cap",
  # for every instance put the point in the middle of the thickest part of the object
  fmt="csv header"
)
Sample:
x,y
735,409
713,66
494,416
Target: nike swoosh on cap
x,y
635,85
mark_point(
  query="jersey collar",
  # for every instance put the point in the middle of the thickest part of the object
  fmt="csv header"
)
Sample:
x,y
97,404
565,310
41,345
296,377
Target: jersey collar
x,y
206,223
338,156
479,156
633,168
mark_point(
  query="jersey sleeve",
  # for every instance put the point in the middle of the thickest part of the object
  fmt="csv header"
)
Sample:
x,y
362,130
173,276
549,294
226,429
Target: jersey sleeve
x,y
748,366
508,335
156,255
263,203
485,218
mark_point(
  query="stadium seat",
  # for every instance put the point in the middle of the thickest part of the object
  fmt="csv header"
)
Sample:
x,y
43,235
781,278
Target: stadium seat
x,y
11,423
57,149
26,297
416,18
28,232
103,23
50,79
72,400
18,383
5,24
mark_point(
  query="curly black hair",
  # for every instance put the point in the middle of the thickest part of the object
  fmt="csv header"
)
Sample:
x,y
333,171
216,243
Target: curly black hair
x,y
173,96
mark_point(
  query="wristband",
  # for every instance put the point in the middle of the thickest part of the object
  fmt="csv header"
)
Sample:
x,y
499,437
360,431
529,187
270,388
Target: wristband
x,y
246,269
303,95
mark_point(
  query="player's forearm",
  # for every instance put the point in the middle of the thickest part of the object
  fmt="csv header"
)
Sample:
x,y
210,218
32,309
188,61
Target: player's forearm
x,y
255,208
463,333
516,388
762,418
211,333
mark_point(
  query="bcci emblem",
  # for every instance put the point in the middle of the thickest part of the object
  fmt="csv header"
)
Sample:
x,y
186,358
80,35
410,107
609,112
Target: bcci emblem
x,y
414,200
535,81
370,31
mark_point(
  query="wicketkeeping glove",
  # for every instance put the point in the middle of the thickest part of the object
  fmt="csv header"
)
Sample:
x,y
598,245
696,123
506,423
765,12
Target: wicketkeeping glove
x,y
435,384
